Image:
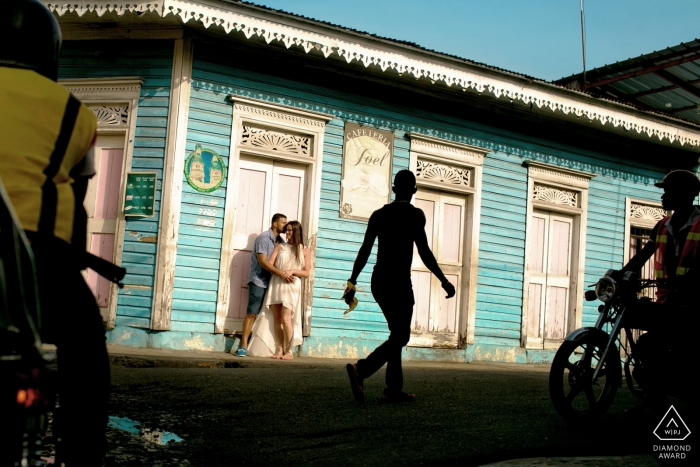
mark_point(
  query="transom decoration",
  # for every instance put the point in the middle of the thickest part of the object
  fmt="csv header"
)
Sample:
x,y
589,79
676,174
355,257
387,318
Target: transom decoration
x,y
646,213
275,141
553,195
442,173
111,115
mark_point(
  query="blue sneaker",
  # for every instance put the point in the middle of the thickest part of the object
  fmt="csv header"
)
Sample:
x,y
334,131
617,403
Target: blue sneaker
x,y
241,352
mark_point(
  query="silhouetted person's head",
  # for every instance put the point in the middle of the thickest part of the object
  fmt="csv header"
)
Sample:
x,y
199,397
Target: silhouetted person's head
x,y
681,187
404,185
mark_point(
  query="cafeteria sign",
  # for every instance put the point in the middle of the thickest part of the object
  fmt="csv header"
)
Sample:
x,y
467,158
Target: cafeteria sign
x,y
140,195
367,157
204,170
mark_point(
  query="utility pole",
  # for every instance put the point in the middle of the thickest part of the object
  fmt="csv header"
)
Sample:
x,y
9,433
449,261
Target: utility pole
x,y
583,45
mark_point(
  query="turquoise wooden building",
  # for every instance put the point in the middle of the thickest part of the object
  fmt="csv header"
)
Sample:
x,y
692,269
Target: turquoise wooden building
x,y
531,190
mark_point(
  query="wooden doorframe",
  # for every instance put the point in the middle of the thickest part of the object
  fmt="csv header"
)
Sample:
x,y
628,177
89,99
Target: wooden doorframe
x,y
290,125
564,183
464,163
115,103
641,213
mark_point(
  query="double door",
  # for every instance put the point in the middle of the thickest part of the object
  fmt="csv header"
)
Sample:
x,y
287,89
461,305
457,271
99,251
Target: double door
x,y
435,318
265,187
102,204
549,263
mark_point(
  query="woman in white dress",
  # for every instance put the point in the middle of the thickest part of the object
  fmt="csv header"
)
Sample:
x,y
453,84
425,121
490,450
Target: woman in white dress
x,y
282,331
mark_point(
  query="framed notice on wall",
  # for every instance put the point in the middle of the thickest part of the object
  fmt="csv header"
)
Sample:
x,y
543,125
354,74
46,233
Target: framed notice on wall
x,y
140,194
366,179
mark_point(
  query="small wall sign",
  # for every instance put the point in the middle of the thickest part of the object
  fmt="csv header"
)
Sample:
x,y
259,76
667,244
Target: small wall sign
x,y
366,179
140,194
205,170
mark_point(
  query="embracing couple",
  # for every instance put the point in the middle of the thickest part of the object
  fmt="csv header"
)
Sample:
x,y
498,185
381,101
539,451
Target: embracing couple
x,y
278,263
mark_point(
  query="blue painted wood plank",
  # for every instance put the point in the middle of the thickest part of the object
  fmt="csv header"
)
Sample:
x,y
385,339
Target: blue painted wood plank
x,y
195,284
190,240
203,307
199,263
138,258
198,295
133,301
191,327
193,317
206,274
133,322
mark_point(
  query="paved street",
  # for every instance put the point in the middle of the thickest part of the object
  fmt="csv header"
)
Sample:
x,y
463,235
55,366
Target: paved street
x,y
302,412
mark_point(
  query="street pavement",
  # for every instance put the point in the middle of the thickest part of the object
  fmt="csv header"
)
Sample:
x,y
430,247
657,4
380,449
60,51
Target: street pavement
x,y
253,411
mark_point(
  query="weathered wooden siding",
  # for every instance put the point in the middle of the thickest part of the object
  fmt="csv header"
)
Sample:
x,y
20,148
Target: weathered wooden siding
x,y
503,218
202,214
152,61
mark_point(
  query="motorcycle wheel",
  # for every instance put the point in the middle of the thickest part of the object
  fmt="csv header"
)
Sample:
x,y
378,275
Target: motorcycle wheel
x,y
632,384
575,395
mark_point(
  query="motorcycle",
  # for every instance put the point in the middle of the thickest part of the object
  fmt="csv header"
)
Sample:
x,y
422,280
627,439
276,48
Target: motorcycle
x,y
587,368
26,381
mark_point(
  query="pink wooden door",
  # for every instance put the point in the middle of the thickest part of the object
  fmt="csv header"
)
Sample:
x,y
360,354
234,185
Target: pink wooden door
x,y
549,263
436,319
102,206
265,187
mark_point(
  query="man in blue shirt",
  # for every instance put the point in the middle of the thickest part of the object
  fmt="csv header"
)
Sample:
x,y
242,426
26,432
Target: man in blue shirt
x,y
259,276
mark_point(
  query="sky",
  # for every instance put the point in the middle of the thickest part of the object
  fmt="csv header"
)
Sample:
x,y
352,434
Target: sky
x,y
540,38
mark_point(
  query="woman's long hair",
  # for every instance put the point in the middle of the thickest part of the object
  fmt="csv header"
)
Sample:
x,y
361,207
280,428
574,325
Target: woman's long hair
x,y
297,239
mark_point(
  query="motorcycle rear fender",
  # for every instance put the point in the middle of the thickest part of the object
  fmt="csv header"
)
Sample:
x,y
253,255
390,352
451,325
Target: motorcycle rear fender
x,y
580,333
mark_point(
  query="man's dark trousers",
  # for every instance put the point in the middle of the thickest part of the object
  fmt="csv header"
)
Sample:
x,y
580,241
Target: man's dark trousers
x,y
395,297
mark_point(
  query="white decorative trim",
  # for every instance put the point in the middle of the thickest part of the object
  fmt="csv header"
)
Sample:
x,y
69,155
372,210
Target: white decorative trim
x,y
278,115
112,116
442,173
310,35
553,195
444,149
90,89
646,213
558,175
269,140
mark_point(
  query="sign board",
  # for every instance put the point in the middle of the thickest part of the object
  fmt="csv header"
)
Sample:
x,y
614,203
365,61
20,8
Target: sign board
x,y
205,170
140,194
366,179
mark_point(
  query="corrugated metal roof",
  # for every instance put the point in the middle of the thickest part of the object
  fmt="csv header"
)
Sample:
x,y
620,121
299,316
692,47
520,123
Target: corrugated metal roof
x,y
667,81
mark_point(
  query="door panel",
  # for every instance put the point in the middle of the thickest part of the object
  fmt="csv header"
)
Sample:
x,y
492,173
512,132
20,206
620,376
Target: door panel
x,y
436,319
549,265
265,187
102,206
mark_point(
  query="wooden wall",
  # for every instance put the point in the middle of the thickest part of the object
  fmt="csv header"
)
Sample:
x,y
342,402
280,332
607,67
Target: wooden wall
x,y
502,247
152,61
503,215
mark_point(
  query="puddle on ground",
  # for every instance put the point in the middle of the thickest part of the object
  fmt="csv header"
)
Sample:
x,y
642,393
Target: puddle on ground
x,y
134,427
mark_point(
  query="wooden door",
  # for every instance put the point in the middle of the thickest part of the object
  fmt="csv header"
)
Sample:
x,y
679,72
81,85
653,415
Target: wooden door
x,y
436,319
549,264
265,187
102,205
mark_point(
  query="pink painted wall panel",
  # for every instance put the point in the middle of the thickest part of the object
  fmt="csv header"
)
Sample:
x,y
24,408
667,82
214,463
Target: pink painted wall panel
x,y
447,316
555,318
534,310
536,256
251,202
238,295
288,196
421,291
559,262
109,177
101,245
451,233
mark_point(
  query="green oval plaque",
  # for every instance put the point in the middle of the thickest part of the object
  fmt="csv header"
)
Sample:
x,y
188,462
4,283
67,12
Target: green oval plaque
x,y
205,170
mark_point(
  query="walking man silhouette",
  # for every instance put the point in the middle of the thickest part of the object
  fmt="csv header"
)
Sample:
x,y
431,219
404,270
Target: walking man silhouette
x,y
397,226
